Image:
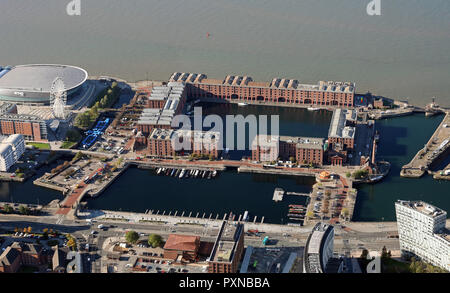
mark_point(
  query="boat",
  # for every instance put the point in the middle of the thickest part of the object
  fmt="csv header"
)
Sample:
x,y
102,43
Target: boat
x,y
196,173
182,174
158,171
177,172
242,104
295,216
168,172
296,206
209,175
204,174
313,109
296,212
214,174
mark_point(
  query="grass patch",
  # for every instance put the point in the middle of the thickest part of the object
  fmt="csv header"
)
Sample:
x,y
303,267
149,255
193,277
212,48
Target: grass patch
x,y
68,144
392,266
39,145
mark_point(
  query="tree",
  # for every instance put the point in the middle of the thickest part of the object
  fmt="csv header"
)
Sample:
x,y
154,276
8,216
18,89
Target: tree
x,y
384,252
132,237
360,174
310,214
29,229
71,243
78,156
73,135
292,159
8,209
364,254
155,240
345,212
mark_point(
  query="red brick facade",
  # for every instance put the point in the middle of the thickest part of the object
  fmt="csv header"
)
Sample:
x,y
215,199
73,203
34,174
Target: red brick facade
x,y
281,91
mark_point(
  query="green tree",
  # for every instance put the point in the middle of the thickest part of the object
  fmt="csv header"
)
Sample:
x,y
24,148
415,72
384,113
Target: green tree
x,y
132,237
73,135
155,240
8,209
24,210
364,254
384,253
78,156
71,243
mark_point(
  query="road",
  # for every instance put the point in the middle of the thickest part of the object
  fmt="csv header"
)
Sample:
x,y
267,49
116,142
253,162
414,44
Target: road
x,y
347,243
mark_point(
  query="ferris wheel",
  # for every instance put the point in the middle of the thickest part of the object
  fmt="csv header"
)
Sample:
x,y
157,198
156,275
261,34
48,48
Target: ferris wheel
x,y
58,98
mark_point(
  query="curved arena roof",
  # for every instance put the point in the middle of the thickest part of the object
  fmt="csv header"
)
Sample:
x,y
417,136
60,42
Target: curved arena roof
x,y
38,78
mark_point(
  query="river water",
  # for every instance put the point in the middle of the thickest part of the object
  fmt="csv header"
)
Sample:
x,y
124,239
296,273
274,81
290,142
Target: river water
x,y
404,53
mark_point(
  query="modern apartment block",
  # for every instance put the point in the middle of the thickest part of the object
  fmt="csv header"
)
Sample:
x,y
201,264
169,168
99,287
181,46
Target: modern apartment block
x,y
31,127
228,249
279,90
308,150
318,253
422,232
168,142
11,149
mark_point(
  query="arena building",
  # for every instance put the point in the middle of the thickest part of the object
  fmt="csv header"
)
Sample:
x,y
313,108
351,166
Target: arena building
x,y
31,84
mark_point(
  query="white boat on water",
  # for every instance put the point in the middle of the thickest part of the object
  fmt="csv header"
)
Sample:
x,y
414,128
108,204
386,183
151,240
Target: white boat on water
x,y
242,104
313,109
182,174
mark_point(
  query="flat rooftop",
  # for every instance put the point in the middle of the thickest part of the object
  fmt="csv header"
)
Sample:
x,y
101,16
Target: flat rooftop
x,y
338,126
423,208
164,134
304,142
226,242
40,77
316,238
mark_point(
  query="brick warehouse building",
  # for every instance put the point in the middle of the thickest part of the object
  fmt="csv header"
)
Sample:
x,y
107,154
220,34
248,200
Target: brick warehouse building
x,y
163,104
341,136
182,248
280,91
308,150
160,143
